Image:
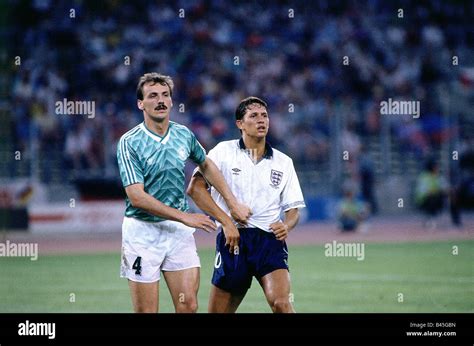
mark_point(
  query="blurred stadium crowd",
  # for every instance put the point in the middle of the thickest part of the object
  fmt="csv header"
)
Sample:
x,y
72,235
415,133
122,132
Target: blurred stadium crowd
x,y
289,53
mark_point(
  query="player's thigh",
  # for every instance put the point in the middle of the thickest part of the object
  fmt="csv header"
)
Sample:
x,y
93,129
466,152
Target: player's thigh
x,y
221,301
272,268
181,268
231,273
277,287
183,285
144,247
144,296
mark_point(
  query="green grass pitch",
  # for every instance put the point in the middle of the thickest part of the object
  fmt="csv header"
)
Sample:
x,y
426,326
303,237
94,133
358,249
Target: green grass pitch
x,y
406,277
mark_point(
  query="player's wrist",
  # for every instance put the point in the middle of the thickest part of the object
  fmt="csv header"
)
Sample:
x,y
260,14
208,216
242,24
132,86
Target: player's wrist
x,y
181,216
226,221
232,203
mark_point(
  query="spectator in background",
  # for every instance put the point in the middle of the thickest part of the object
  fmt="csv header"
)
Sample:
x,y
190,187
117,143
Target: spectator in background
x,y
367,180
78,148
462,182
289,62
351,212
431,192
454,193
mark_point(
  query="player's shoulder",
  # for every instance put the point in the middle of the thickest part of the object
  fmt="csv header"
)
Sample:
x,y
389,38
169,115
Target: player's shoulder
x,y
180,128
132,134
226,146
281,157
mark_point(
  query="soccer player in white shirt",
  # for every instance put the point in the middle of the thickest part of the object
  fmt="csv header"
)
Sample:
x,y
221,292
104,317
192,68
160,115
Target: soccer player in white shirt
x,y
157,231
264,179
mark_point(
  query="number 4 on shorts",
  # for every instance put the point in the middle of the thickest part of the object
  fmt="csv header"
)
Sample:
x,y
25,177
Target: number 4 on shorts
x,y
137,265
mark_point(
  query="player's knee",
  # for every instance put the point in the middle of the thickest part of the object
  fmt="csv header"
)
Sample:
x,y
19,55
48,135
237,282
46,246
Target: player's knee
x,y
282,305
187,306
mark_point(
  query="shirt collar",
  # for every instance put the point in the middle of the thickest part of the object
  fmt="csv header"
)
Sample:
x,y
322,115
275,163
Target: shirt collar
x,y
268,148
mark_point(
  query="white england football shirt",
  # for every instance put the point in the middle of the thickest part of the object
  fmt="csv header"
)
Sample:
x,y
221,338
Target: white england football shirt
x,y
268,187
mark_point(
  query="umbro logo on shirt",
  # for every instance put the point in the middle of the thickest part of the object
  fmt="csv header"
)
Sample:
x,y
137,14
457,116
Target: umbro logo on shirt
x,y
236,171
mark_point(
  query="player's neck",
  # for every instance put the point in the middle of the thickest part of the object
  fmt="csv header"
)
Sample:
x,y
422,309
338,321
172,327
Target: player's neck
x,y
255,144
160,128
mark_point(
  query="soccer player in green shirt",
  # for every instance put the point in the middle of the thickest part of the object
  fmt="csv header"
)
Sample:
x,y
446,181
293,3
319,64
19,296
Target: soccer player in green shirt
x,y
157,231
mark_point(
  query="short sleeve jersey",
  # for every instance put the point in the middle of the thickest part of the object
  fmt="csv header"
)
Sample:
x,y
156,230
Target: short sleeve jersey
x,y
157,163
267,187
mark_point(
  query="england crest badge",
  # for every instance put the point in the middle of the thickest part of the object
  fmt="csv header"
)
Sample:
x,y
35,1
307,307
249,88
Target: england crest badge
x,y
275,177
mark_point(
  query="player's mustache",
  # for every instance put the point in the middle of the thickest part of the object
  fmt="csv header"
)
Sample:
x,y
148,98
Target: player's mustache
x,y
160,107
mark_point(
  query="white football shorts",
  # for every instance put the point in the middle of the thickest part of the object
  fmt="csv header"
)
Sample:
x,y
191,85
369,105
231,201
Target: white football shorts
x,y
151,247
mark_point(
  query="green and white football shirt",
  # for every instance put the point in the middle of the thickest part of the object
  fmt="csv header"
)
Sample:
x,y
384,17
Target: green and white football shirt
x,y
158,163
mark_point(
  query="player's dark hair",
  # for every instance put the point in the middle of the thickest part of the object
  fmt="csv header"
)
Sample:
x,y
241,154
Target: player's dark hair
x,y
243,105
153,78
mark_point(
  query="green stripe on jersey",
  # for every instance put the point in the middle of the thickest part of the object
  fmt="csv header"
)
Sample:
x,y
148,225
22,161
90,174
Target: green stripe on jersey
x,y
158,163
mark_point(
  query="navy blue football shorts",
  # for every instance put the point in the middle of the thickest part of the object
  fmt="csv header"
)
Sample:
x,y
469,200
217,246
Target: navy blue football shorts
x,y
260,253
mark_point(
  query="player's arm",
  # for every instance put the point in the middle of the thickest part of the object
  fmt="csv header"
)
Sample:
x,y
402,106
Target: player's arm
x,y
197,190
140,199
209,170
291,201
281,229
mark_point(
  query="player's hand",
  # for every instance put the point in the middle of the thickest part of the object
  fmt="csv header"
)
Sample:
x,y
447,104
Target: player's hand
x,y
280,230
232,237
200,221
240,213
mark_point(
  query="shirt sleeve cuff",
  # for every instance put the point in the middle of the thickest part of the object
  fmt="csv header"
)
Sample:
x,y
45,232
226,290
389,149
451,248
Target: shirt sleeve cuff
x,y
294,205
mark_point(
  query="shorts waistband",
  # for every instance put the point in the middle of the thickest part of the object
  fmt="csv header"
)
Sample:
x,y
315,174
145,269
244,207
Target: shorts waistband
x,y
256,229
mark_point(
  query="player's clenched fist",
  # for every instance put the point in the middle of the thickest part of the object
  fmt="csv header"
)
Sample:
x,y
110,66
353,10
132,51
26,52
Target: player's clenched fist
x,y
240,213
280,230
199,221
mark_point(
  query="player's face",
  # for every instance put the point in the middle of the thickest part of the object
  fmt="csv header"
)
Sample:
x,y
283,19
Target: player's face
x,y
255,122
156,103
